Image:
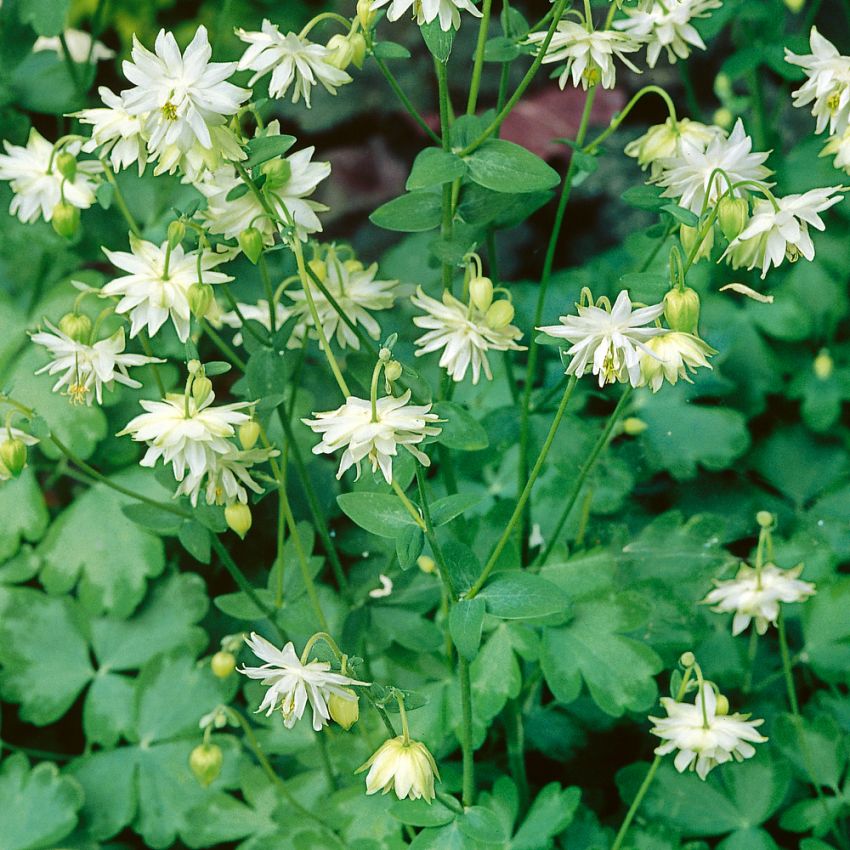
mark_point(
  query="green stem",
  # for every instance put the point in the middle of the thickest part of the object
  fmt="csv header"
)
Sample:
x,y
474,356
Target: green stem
x,y
146,347
119,199
478,64
786,666
222,346
327,765
71,65
618,119
267,287
515,736
468,792
752,648
630,815
408,505
446,225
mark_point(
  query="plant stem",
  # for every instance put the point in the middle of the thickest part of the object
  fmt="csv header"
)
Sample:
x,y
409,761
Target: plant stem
x,y
630,815
267,287
119,199
786,666
515,736
146,347
478,64
222,346
752,648
445,124
327,765
468,793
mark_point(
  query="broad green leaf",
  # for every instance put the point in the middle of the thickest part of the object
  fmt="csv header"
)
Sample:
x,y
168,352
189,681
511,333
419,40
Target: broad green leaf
x,y
152,518
501,49
433,167
408,546
264,148
460,430
438,40
108,709
522,596
551,813
267,373
196,540
390,50
480,824
505,167
446,509
826,631
419,813
495,676
377,513
406,628
23,511
414,212
466,619
47,17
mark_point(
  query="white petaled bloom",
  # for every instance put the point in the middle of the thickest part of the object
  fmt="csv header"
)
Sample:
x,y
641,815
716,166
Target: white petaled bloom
x,y
39,185
773,235
462,332
667,26
404,766
673,354
181,96
9,433
86,369
228,477
827,85
185,434
609,342
703,736
376,439
115,131
693,173
150,294
291,59
589,55
197,160
291,684
839,147
258,312
664,141
755,595
353,286
79,46
447,11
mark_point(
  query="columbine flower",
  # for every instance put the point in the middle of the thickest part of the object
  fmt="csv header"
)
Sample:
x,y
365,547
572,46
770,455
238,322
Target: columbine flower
x,y
181,96
152,291
828,83
448,11
667,25
374,438
85,369
672,355
79,46
404,766
589,55
609,342
755,595
227,476
186,434
692,173
37,182
291,684
291,59
118,133
355,290
664,141
7,434
773,235
197,160
258,312
704,735
463,333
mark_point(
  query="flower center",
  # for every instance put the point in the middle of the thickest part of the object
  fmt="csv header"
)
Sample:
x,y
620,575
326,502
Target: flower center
x,y
169,111
834,100
77,392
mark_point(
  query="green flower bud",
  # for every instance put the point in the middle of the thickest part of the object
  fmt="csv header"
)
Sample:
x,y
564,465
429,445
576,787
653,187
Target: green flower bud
x,y
352,266
201,388
277,171
723,117
365,14
634,426
688,237
223,664
764,519
176,232
200,297
205,762
66,165
341,52
500,314
320,268
393,370
687,659
238,517
251,242
249,433
823,365
481,293
681,310
732,215
345,712
77,326
13,456
194,366
358,49
722,708
65,219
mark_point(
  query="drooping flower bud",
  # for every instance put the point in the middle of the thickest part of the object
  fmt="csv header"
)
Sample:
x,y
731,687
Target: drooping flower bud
x,y
249,433
408,760
687,659
500,314
277,171
764,519
634,426
393,370
481,293
205,762
201,388
66,165
823,365
77,326
732,215
722,707
238,518
345,712
13,456
251,242
688,236
66,219
341,53
426,564
223,664
358,49
681,310
176,232
200,297
365,14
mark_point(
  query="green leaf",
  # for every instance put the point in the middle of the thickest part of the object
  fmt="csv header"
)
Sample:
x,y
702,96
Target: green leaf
x,y
446,509
501,49
47,17
681,215
108,709
406,628
419,813
480,824
390,50
152,518
377,513
196,540
414,212
816,748
495,676
39,806
24,513
264,148
826,630
267,373
408,546
433,167
460,429
439,41
551,813
466,620
522,596
505,167
644,198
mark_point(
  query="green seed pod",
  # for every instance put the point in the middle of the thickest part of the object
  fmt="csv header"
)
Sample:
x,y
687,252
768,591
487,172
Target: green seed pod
x,y
277,171
500,314
238,517
249,433
251,242
681,310
481,293
66,165
176,232
223,664
205,762
77,326
200,297
732,214
65,219
13,456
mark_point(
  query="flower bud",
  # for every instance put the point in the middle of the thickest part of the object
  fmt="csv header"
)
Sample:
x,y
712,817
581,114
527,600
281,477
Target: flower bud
x,y
194,366
176,232
201,388
320,269
223,664
723,117
277,171
205,762
481,293
426,564
358,49
634,426
352,266
722,707
66,164
238,517
500,314
13,456
688,237
764,519
365,14
681,309
823,365
795,6
200,297
384,354
76,325
732,215
251,242
66,219
249,433
393,370
340,50
345,712
687,659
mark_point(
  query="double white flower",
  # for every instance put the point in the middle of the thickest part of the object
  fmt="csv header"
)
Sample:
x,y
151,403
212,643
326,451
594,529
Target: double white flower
x,y
227,476
115,131
404,766
426,11
664,141
672,355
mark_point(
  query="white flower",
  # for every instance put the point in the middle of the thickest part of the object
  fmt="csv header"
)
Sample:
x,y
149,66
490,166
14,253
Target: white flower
x,y
839,146
666,24
462,332
291,59
291,684
186,434
352,426
693,173
227,476
589,55
197,160
150,294
118,133
448,11
704,736
827,86
663,141
85,369
258,312
404,766
355,290
79,46
773,235
755,595
37,182
608,342
673,353
181,96
10,433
